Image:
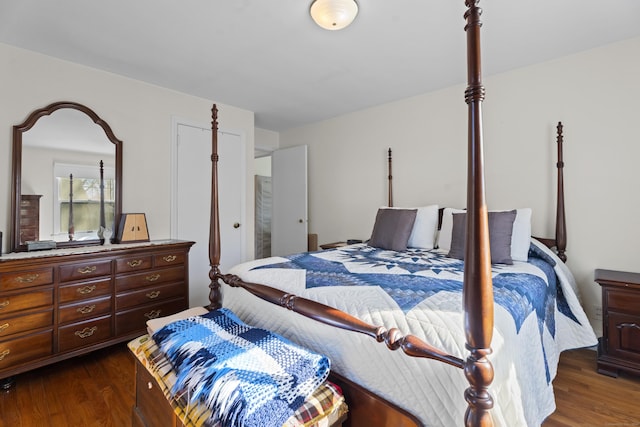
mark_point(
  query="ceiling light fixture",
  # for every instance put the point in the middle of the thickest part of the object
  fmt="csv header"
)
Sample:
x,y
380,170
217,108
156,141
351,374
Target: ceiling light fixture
x,y
333,14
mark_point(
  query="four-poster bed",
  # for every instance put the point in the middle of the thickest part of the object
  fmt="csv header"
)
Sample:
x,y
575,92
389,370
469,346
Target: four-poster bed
x,y
463,339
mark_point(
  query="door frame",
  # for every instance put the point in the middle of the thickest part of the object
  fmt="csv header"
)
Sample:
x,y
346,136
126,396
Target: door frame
x,y
173,216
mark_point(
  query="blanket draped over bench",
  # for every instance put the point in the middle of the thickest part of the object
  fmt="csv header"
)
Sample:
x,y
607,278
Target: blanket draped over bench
x,y
247,376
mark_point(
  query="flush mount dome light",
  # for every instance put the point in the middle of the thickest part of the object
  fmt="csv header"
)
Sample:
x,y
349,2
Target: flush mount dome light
x,y
333,14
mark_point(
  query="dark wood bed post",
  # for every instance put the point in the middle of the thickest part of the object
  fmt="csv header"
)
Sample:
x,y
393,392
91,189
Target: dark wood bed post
x,y
561,224
478,287
215,296
390,178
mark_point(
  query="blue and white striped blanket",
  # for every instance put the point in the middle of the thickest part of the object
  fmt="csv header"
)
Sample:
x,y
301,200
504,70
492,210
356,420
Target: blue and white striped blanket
x,y
247,376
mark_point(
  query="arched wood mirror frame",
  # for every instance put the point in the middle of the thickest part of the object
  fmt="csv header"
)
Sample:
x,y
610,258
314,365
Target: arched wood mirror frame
x,y
16,190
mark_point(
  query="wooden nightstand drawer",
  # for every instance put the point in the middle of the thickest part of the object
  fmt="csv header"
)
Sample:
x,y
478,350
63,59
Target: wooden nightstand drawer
x,y
83,334
85,270
623,301
26,279
136,263
624,336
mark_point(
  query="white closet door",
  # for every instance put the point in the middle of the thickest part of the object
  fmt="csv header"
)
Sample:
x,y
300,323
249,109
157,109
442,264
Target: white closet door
x,y
192,201
289,186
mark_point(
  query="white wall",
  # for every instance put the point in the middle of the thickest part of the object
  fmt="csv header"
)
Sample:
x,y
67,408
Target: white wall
x,y
138,113
595,94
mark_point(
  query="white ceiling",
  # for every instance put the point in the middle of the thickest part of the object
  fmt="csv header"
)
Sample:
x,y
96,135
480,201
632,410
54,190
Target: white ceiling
x,y
269,57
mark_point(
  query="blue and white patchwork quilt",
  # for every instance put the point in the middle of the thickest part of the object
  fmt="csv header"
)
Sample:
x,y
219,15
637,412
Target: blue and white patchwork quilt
x,y
537,315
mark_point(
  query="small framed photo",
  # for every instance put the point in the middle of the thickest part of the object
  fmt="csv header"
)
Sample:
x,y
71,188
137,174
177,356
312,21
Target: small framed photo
x,y
133,228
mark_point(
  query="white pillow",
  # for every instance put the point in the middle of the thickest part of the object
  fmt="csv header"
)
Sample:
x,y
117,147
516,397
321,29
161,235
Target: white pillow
x,y
444,238
423,233
520,236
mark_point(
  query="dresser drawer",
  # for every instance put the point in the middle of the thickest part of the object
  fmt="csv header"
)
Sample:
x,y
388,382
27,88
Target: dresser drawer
x,y
133,281
85,270
148,295
25,279
14,325
25,301
84,310
23,349
84,334
136,319
623,301
84,290
137,263
169,258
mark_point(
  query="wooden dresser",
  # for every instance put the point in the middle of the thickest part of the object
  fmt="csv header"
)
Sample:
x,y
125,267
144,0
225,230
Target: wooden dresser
x,y
619,347
62,303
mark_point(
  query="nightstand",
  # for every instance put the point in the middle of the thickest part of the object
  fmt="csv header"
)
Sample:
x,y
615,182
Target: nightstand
x,y
333,245
619,346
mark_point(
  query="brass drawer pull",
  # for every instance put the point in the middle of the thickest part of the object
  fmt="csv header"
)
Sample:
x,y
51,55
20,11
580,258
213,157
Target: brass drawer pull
x,y
4,353
86,309
627,325
87,270
169,258
86,332
153,295
3,327
153,314
152,278
134,263
86,289
29,278
3,304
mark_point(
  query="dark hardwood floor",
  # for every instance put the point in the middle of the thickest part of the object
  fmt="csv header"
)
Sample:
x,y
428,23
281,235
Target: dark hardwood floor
x,y
98,390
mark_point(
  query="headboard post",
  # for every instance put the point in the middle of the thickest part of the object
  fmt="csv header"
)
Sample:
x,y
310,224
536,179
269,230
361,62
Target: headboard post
x,y
561,224
215,296
477,284
390,180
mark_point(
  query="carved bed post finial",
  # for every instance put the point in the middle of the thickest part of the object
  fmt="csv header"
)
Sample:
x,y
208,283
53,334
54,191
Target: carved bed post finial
x,y
478,287
561,225
71,226
390,182
215,297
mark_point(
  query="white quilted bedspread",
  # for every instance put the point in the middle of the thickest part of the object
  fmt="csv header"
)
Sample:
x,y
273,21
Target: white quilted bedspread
x,y
433,391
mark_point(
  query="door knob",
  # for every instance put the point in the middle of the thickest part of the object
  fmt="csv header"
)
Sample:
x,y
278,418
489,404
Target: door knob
x,y
236,225
300,221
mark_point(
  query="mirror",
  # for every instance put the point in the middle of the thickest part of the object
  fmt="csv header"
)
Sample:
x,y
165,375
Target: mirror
x,y
67,177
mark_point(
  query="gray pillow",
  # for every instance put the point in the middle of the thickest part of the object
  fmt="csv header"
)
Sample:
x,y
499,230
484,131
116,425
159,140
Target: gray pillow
x,y
500,230
393,228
